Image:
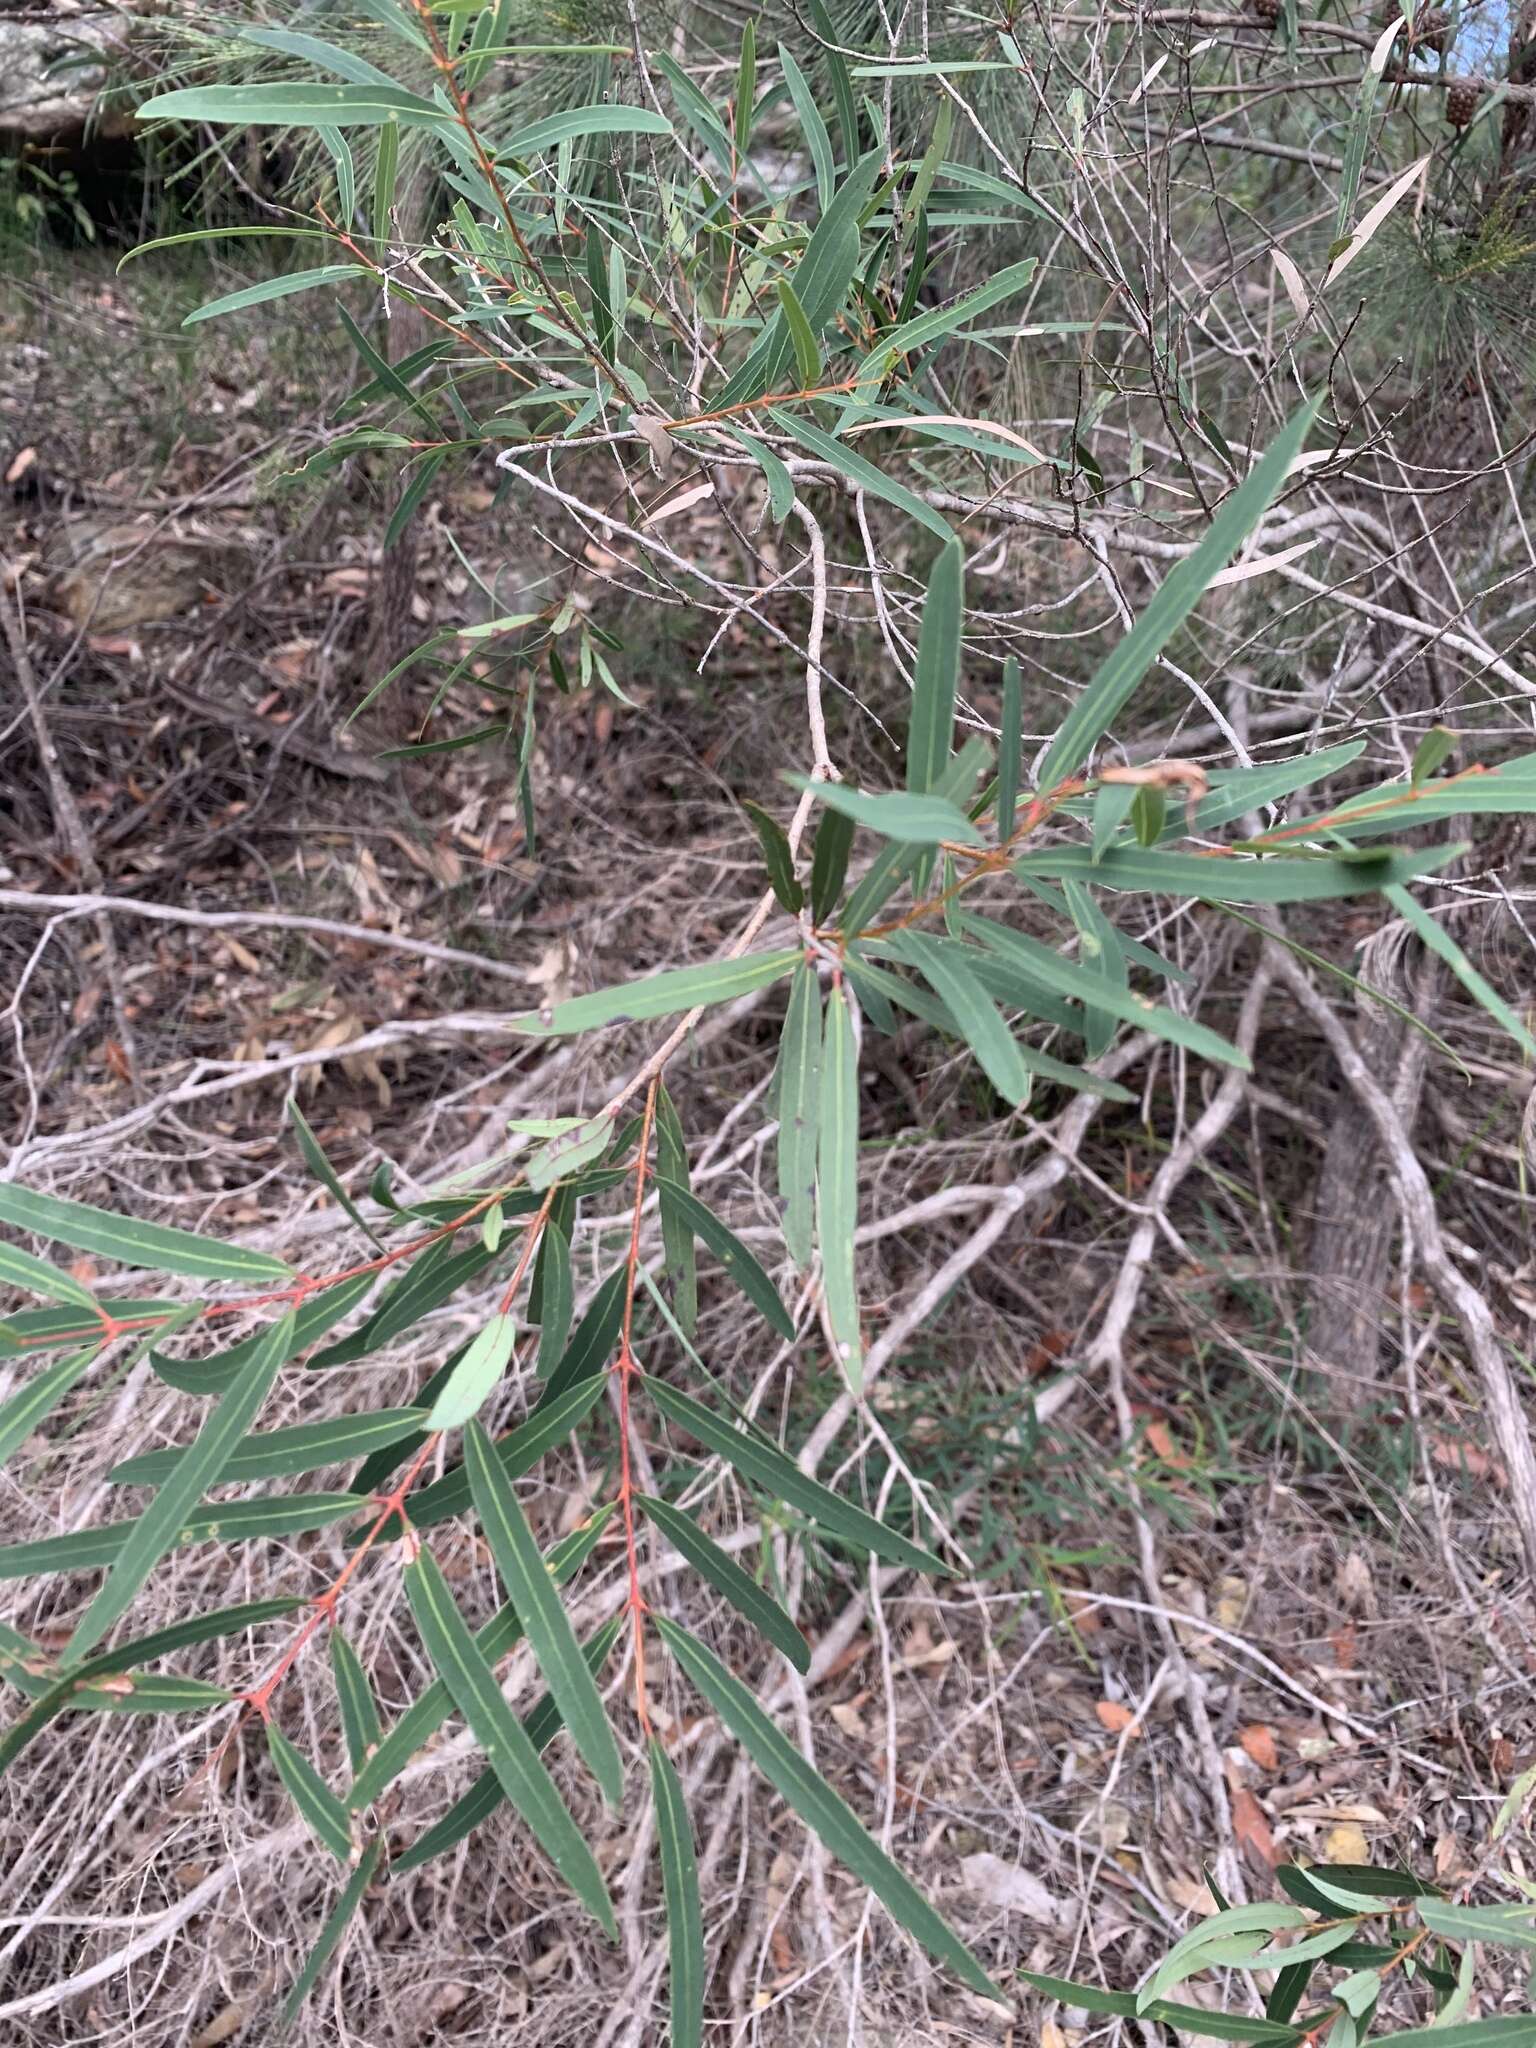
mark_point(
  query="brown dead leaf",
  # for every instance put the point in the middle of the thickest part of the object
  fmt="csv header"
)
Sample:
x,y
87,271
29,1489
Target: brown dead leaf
x,y
222,2028
1253,1833
1116,1717
1346,1843
1258,1740
23,460
241,955
1471,1461
1160,1437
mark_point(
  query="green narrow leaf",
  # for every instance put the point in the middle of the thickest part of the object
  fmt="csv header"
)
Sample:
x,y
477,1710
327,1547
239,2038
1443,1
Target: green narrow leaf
x,y
359,1715
473,1380
846,461
148,1692
807,354
528,1786
238,1521
679,1259
159,1527
386,166
1010,748
766,1466
557,1301
828,1816
781,485
132,1243
837,1185
275,288
330,1935
296,104
28,1406
325,1173
477,1805
319,1808
945,966
842,83
909,819
576,122
799,1127
1278,878
680,1889
1060,976
502,1633
893,863
733,1255
829,863
746,85
928,327
545,1623
311,1319
777,858
660,995
821,281
930,737
569,1151
812,127
281,1453
1096,710
592,1344
728,1579
1187,2019
1439,941
519,1451
35,1276
1431,754
1112,805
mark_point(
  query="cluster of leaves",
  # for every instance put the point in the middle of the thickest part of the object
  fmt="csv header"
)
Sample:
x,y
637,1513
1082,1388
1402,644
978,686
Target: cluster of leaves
x,y
806,309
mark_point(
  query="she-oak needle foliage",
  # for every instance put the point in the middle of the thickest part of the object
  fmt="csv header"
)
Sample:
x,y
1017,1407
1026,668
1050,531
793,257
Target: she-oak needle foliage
x,y
537,289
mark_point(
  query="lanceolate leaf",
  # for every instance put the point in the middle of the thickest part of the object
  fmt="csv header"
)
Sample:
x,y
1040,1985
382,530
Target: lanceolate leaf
x,y
837,1185
945,966
298,105
36,1276
529,1787
324,1172
1096,710
799,1083
1010,750
733,1255
829,863
931,733
275,288
777,858
36,1330
279,1453
728,1578
780,1478
532,1593
604,119
1186,2019
680,1889
322,1812
1235,879
929,327
473,1379
477,1805
148,1692
354,1695
433,1278
241,1521
912,820
1067,977
556,1296
847,462
1439,940
517,1452
592,1342
132,1243
28,1406
159,1527
828,1815
311,1319
660,995
332,1932
681,1265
